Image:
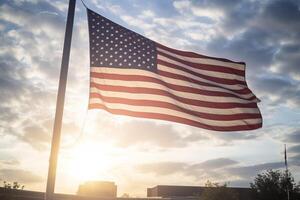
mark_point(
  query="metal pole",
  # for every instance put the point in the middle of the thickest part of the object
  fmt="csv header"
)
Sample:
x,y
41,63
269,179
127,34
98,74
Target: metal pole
x,y
286,173
60,103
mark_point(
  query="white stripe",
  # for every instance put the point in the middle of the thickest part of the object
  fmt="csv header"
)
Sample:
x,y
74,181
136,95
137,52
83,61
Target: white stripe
x,y
163,78
167,111
189,95
220,111
208,61
201,71
191,76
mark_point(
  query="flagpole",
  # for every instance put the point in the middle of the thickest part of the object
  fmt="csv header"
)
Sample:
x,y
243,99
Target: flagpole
x,y
286,172
60,103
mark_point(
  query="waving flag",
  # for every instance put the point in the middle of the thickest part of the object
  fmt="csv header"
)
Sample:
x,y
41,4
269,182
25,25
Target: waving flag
x,y
135,76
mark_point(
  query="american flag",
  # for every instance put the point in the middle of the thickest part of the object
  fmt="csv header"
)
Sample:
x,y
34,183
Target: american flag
x,y
135,76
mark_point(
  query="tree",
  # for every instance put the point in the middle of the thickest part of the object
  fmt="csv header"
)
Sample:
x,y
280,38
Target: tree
x,y
215,191
273,185
15,185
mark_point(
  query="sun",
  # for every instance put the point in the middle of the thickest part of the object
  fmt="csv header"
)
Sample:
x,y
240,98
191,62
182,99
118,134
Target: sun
x,y
88,161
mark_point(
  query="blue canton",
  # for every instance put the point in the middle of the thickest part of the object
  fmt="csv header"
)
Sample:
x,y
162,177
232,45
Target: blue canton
x,y
112,45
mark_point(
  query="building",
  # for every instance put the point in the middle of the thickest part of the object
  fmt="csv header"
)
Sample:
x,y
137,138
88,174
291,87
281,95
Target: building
x,y
98,189
173,191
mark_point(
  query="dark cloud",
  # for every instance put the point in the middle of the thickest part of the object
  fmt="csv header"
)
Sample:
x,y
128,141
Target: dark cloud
x,y
283,15
215,163
250,171
293,137
214,169
287,60
251,46
278,90
21,176
294,149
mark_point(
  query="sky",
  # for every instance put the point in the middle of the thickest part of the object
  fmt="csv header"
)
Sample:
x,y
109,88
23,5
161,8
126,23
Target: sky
x,y
139,153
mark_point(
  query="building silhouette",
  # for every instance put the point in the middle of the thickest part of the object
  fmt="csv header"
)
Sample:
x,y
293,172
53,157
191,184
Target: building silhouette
x,y
175,191
98,189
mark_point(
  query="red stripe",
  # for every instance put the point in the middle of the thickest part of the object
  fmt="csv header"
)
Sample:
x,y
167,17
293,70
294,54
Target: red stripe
x,y
214,68
171,106
194,55
210,78
174,119
180,99
161,92
188,79
155,80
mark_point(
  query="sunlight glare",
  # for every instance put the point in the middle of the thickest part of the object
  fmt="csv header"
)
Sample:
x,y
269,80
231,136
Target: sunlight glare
x,y
88,161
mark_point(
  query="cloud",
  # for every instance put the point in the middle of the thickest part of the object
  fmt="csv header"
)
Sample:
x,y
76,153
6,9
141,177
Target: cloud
x,y
30,56
163,168
219,169
294,149
247,172
215,163
227,138
37,136
9,162
293,137
143,133
21,176
287,60
278,90
281,14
